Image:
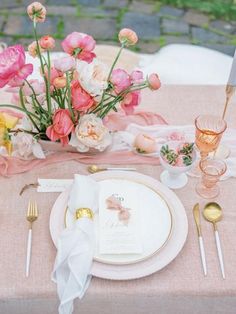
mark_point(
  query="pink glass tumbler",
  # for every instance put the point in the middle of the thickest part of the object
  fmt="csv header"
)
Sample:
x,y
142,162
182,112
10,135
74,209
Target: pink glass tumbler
x,y
211,171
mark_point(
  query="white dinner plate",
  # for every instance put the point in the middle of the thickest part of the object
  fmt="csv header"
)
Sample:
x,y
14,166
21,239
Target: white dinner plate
x,y
163,216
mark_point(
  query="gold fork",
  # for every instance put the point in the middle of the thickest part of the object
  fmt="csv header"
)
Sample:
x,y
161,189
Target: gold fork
x,y
32,215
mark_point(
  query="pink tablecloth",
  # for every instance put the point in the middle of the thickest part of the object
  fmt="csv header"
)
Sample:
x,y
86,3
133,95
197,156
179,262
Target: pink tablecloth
x,y
180,288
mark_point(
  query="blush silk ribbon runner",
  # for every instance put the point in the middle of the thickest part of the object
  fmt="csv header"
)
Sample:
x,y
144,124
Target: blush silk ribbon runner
x,y
117,121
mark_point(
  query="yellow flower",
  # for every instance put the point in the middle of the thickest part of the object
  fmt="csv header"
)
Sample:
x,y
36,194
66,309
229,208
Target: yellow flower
x,y
6,122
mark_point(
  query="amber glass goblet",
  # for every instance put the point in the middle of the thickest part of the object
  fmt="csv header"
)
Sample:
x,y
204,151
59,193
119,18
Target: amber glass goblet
x,y
209,131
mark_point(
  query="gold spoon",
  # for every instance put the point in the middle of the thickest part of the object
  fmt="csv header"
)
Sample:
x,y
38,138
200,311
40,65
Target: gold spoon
x,y
213,213
95,168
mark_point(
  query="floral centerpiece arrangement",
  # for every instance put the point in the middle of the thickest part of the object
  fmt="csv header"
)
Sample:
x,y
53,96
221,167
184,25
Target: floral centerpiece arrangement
x,y
71,98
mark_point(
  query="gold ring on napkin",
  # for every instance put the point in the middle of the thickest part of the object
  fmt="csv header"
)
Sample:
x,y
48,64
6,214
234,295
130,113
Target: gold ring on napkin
x,y
84,212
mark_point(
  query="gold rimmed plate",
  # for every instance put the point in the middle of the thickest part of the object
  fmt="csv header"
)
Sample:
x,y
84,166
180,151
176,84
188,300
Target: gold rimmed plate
x,y
154,212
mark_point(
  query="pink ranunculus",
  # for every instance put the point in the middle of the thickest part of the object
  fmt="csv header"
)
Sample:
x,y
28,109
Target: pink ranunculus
x,y
13,70
36,12
47,42
62,126
120,79
136,77
176,136
128,37
79,45
38,87
130,101
81,100
154,81
64,64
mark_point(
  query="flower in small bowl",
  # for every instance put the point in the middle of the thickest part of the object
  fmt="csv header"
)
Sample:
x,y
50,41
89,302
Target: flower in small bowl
x,y
177,158
145,144
90,133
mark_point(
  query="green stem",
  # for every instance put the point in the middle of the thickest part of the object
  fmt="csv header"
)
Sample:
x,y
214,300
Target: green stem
x,y
24,107
121,96
47,81
111,69
20,109
69,96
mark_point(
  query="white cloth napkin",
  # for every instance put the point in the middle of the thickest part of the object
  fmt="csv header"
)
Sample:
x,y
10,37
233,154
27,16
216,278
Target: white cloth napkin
x,y
76,246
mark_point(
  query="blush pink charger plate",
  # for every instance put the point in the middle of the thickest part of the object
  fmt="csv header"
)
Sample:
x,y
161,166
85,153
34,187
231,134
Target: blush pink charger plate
x,y
145,267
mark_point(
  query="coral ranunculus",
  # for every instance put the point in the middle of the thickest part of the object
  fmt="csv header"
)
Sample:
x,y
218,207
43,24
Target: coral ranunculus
x,y
79,45
128,37
47,42
81,100
13,70
120,79
154,81
62,126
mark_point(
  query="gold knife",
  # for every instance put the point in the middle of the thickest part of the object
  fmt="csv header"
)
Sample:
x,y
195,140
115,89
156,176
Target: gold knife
x,y
196,215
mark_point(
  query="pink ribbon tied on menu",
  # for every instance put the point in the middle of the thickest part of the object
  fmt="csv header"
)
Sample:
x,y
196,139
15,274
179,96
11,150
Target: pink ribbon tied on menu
x,y
114,203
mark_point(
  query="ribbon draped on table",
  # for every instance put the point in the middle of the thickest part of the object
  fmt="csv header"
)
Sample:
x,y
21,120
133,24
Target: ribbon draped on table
x,y
115,122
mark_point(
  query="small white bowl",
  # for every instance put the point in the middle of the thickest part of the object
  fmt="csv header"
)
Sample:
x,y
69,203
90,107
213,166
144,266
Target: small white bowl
x,y
175,177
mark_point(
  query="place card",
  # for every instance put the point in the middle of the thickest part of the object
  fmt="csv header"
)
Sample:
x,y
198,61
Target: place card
x,y
119,218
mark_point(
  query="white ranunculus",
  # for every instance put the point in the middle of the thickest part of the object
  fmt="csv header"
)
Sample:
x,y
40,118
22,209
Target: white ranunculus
x,y
93,76
90,133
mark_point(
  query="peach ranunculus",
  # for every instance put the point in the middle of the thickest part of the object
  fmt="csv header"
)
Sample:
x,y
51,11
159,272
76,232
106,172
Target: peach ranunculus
x,y
120,80
57,78
79,45
13,70
93,77
47,42
81,100
36,12
130,101
59,82
154,81
90,133
33,50
144,143
65,64
62,126
128,37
